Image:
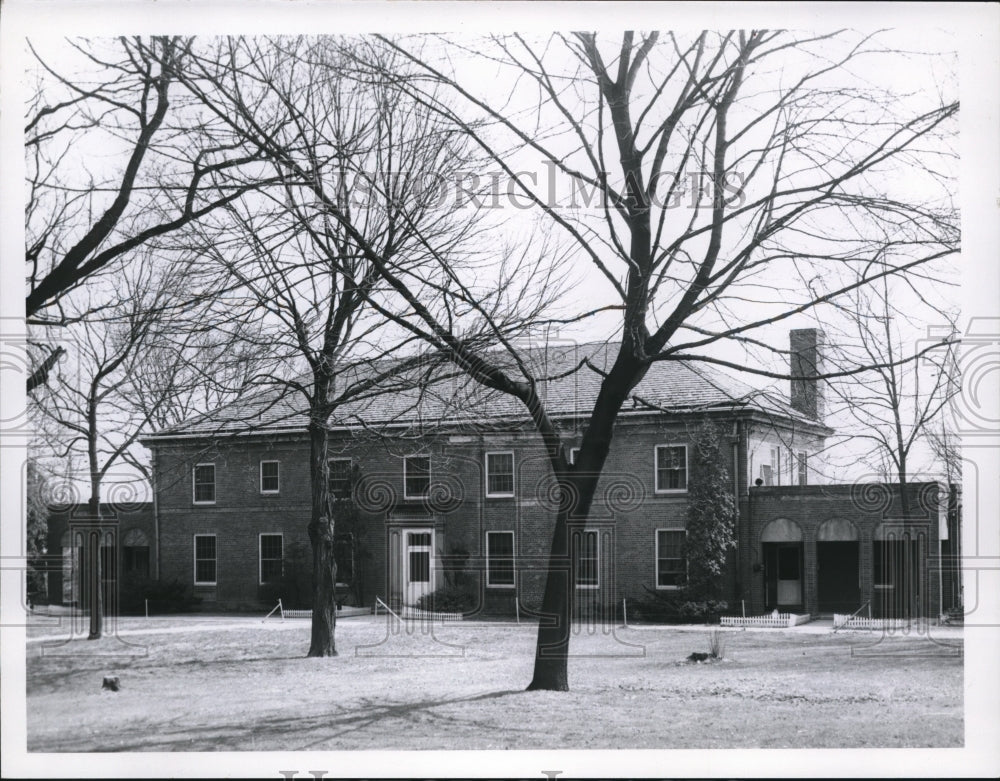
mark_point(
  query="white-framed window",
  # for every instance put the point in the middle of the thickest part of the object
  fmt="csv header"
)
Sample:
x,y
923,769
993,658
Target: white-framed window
x,y
586,559
803,467
270,549
500,559
500,474
270,477
205,562
671,469
416,476
770,471
573,453
203,483
341,477
671,561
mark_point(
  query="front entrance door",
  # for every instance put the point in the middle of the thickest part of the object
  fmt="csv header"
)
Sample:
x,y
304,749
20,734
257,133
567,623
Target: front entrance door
x,y
418,564
838,583
783,567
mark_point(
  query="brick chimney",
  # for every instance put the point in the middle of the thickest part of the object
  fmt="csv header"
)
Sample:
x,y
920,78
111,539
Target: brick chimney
x,y
806,347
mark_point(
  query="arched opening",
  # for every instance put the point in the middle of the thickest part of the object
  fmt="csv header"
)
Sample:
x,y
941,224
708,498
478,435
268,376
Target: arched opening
x,y
135,554
781,544
838,578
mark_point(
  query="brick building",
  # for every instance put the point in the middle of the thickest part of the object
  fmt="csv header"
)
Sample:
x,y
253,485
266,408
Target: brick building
x,y
453,480
125,535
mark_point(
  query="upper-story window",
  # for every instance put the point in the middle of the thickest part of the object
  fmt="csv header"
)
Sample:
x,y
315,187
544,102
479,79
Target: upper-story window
x,y
500,474
341,470
803,465
574,452
770,471
416,476
203,477
270,482
671,468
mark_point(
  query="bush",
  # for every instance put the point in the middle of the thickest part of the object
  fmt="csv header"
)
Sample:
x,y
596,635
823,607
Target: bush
x,y
164,596
450,599
676,609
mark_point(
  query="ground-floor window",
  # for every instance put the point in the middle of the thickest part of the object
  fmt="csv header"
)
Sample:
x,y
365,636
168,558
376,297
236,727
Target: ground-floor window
x,y
270,558
671,564
204,560
587,559
500,559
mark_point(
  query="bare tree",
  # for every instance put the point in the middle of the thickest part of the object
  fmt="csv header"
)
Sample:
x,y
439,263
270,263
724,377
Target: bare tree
x,y
898,406
313,276
793,153
100,398
797,158
169,165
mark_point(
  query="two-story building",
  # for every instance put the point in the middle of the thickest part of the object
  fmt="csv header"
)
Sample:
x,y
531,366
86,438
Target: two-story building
x,y
454,479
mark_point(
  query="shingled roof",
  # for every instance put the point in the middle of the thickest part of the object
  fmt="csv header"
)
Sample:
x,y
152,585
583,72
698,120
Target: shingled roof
x,y
571,375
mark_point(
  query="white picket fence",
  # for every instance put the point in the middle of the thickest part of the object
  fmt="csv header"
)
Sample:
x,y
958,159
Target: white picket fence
x,y
841,621
771,620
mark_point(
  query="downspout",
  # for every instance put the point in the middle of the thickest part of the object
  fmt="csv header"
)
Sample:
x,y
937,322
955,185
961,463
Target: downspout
x,y
156,513
736,498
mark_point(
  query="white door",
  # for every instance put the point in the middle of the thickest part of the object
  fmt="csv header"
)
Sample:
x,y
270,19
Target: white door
x,y
418,564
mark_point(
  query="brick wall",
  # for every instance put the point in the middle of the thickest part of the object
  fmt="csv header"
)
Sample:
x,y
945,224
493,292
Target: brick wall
x,y
869,507
627,510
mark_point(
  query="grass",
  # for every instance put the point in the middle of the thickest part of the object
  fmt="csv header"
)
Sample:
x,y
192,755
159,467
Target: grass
x,y
242,685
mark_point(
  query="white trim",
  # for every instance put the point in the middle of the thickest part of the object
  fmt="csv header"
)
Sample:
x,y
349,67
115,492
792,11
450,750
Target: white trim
x,y
597,568
513,560
486,462
656,469
276,490
260,555
406,494
194,554
194,484
572,455
656,558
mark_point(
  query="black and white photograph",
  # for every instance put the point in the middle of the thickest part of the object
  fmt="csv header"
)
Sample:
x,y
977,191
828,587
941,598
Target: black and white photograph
x,y
483,389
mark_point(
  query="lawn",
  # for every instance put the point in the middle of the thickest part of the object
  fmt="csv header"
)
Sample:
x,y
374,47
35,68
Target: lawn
x,y
245,685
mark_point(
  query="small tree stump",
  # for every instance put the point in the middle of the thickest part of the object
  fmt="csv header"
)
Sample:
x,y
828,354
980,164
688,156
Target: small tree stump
x,y
111,683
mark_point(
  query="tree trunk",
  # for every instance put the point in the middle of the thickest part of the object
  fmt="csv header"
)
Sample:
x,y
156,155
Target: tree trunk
x,y
321,533
93,548
94,537
552,646
576,495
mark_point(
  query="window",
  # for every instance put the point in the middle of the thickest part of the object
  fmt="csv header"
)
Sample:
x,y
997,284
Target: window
x,y
270,558
341,478
766,474
671,564
416,476
586,572
671,468
269,483
500,559
776,464
204,484
499,474
803,464
204,560
573,452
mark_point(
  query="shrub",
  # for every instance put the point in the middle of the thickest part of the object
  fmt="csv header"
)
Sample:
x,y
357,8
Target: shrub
x,y
716,644
450,599
164,596
676,609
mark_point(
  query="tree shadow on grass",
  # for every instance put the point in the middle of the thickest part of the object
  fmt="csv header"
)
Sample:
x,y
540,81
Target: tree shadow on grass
x,y
288,733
